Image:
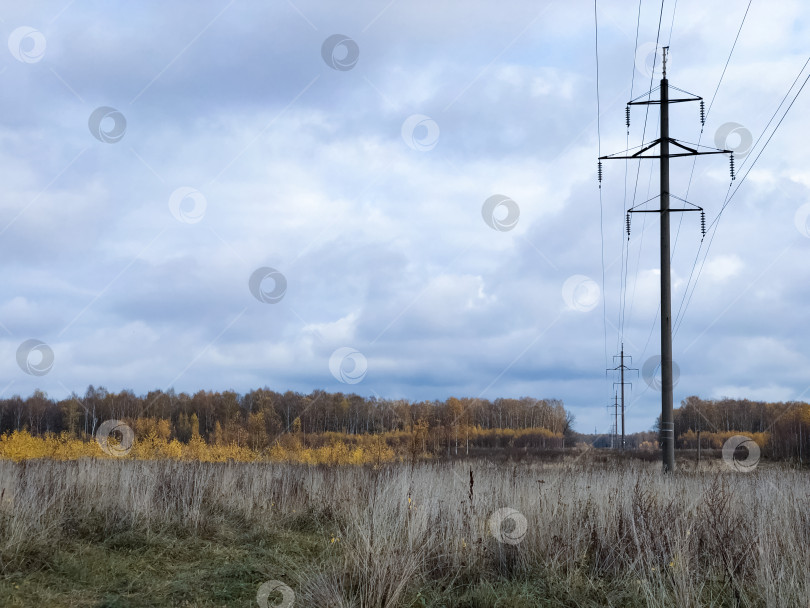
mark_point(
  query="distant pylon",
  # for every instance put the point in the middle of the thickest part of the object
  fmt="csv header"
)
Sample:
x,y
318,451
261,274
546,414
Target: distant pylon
x,y
621,368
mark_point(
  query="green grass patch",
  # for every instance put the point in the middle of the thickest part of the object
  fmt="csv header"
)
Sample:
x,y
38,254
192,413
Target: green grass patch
x,y
134,569
540,590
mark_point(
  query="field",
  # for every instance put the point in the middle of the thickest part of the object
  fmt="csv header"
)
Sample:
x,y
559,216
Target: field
x,y
464,533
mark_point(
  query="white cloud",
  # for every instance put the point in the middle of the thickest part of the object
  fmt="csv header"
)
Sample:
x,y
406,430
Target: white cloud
x,y
723,267
770,392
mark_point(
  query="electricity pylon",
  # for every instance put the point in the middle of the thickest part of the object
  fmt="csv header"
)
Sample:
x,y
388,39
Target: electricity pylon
x,y
621,368
667,431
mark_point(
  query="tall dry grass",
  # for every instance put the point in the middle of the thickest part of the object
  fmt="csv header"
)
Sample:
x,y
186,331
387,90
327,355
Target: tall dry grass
x,y
701,538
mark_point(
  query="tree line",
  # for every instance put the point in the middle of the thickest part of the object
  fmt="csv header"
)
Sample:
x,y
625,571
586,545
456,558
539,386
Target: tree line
x,y
228,416
786,424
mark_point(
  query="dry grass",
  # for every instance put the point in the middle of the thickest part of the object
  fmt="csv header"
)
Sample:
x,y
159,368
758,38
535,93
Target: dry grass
x,y
598,534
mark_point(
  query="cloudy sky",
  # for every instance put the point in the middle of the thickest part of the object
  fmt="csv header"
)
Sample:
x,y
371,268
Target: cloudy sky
x,y
396,199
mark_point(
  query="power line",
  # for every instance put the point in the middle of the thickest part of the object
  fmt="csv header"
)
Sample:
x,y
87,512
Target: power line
x,y
638,171
640,248
690,178
765,145
694,163
672,23
599,147
626,245
729,194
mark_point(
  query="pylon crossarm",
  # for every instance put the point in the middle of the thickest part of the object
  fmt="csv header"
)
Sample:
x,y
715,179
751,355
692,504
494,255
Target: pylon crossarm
x,y
659,211
635,102
688,154
635,209
698,150
639,156
680,143
657,101
643,148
